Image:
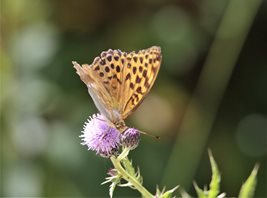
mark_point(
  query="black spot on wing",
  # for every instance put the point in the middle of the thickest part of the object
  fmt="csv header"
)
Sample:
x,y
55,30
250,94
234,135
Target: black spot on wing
x,y
116,58
131,85
118,69
103,62
128,76
139,90
137,79
144,73
97,68
107,69
141,60
134,70
101,74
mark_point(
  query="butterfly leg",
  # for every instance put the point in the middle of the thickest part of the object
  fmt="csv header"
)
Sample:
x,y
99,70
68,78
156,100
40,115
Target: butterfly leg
x,y
101,119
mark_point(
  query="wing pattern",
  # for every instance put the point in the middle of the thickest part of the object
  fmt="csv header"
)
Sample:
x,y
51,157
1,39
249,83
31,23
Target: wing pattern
x,y
118,81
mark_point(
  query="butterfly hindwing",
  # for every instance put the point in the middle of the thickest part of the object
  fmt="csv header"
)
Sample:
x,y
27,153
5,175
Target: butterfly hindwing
x,y
100,95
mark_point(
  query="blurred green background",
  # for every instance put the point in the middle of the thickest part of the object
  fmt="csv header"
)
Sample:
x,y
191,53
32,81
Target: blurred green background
x,y
211,92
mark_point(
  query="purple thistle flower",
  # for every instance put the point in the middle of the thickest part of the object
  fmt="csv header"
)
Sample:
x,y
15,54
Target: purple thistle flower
x,y
100,136
130,138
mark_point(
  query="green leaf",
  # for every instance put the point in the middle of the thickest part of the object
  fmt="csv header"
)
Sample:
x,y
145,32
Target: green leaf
x,y
184,194
112,188
158,192
127,164
215,180
248,188
114,179
167,194
200,192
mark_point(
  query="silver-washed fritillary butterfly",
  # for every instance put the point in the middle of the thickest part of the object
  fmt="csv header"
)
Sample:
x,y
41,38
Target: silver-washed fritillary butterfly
x,y
118,81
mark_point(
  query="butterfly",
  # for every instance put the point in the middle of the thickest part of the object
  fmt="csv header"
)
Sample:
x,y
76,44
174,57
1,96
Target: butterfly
x,y
119,81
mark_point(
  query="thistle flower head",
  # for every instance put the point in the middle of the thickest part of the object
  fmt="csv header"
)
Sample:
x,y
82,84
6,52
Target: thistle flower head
x,y
130,138
99,136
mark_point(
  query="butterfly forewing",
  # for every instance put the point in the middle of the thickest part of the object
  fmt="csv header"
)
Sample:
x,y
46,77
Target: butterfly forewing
x,y
118,81
139,73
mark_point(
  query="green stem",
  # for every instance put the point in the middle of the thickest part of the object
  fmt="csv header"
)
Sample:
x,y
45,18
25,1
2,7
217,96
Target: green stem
x,y
125,175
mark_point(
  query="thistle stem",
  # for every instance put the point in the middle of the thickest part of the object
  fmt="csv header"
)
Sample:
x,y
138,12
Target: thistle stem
x,y
125,175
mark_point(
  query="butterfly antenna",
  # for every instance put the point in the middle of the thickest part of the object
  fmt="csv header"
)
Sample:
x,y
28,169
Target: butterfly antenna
x,y
154,136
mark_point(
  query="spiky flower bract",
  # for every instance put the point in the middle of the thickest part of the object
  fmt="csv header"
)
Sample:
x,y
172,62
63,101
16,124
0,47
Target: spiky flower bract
x,y
130,138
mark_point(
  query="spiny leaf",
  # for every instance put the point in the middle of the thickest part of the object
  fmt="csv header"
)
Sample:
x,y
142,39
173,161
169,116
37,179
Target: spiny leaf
x,y
215,180
127,164
248,188
200,192
167,194
158,190
139,176
114,179
222,195
184,194
112,188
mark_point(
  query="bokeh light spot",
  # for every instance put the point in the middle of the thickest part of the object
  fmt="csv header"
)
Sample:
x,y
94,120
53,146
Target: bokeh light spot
x,y
35,45
251,135
23,180
156,114
30,136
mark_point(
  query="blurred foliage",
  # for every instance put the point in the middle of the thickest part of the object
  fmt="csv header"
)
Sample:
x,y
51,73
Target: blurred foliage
x,y
247,189
44,103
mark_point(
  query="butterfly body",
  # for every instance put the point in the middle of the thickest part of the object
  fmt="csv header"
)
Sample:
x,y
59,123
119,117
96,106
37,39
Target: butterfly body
x,y
118,81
